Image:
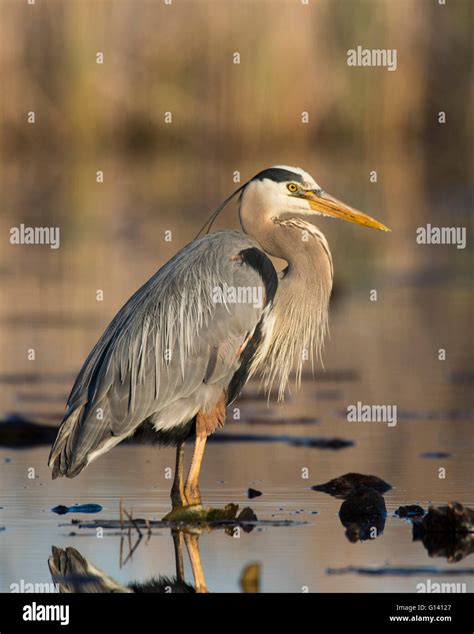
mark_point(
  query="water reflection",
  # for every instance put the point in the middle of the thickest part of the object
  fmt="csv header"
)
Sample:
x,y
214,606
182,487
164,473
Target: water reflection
x,y
363,511
72,572
443,531
446,531
363,514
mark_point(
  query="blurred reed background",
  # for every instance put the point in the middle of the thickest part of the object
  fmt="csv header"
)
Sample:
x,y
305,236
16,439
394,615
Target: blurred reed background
x,y
226,117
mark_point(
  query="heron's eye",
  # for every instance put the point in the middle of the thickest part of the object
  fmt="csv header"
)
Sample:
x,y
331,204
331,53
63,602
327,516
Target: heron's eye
x,y
292,187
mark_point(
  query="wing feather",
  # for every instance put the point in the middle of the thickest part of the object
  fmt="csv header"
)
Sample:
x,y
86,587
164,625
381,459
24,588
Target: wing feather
x,y
169,338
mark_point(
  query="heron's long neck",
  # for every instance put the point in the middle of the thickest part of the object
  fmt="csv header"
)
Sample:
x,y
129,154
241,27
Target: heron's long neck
x,y
298,321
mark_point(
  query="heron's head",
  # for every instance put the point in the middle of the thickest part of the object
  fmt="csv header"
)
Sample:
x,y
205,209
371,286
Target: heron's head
x,y
281,192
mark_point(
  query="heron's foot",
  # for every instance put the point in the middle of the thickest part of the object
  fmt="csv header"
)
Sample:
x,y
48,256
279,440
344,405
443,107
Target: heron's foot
x,y
201,515
192,495
187,514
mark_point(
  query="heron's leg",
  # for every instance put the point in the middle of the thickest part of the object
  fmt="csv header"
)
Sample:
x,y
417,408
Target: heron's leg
x,y
206,422
195,559
191,488
177,490
178,554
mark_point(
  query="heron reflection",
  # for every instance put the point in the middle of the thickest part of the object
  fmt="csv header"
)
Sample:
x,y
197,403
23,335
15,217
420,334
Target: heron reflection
x,y
74,573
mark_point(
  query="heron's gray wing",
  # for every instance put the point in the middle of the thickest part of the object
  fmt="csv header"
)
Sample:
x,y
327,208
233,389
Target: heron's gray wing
x,y
170,337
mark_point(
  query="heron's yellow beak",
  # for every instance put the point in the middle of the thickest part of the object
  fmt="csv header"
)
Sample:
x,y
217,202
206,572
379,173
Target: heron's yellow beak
x,y
329,206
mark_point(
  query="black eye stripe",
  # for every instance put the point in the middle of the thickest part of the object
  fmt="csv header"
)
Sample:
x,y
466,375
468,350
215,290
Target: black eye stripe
x,y
278,175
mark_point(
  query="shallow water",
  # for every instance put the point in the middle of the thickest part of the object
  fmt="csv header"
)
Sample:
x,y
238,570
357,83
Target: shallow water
x,y
391,361
291,557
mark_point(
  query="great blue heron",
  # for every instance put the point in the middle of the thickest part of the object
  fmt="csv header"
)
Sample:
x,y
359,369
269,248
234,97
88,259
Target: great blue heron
x,y
183,346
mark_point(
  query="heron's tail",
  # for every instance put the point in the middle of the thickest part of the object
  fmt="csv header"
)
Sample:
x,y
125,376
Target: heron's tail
x,y
73,573
61,458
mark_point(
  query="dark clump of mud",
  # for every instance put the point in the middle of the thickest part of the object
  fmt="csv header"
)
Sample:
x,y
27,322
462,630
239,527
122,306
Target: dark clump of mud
x,y
247,515
409,511
454,518
348,483
446,531
253,493
363,511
